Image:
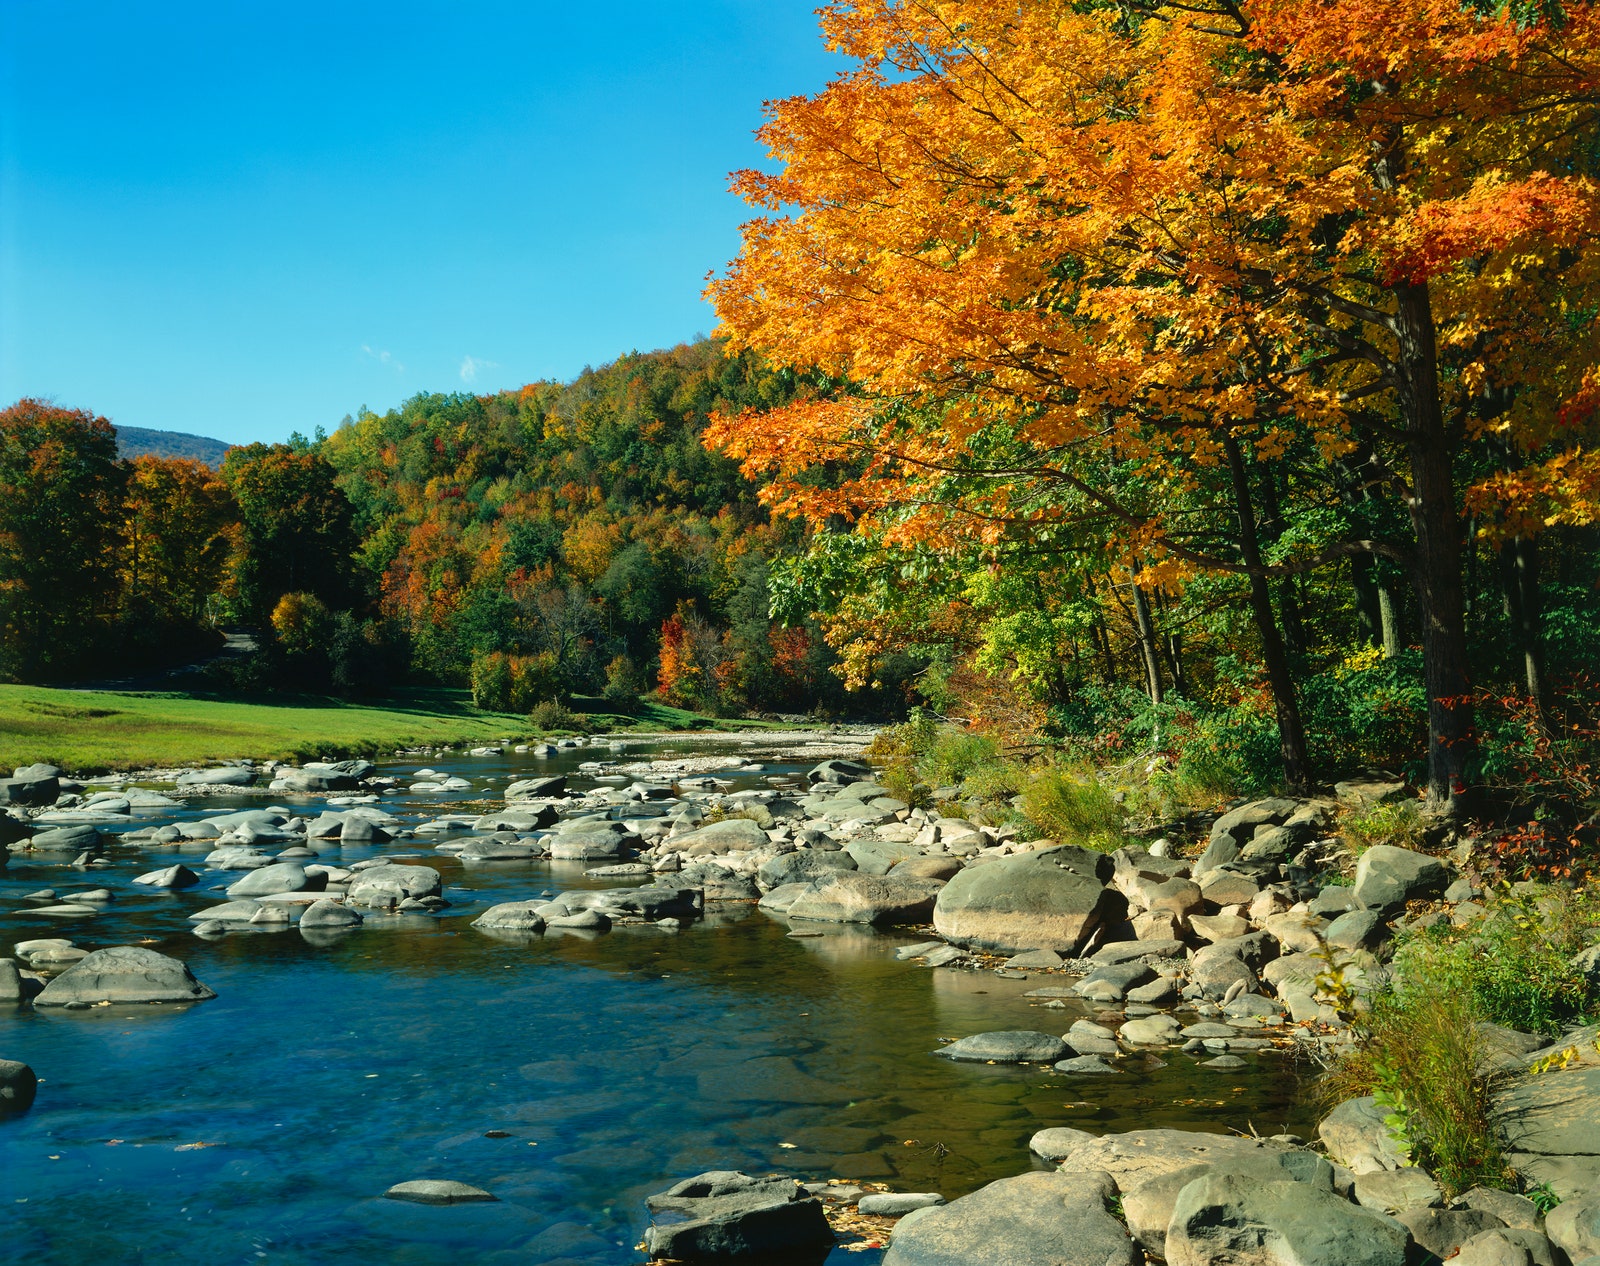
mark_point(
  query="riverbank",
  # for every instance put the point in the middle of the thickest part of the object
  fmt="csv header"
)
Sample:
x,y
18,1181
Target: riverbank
x,y
97,730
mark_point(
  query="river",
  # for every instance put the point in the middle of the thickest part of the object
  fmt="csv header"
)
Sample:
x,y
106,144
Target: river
x,y
568,1074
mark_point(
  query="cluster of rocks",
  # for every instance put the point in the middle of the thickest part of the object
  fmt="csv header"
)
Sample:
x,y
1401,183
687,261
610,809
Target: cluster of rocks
x,y
1185,1198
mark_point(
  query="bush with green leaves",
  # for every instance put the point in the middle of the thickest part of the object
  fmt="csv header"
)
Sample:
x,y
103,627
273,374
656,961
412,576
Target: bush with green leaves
x,y
552,715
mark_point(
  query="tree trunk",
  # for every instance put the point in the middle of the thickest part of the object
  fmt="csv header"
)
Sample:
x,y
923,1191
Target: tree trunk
x,y
1363,582
1102,640
1436,568
1291,731
1172,647
1388,621
1520,573
1147,643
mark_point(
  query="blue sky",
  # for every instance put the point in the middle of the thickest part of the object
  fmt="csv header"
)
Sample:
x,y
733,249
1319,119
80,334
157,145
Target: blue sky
x,y
247,218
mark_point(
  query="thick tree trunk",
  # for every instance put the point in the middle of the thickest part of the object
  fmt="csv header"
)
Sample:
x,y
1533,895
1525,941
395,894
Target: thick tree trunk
x,y
1436,570
1388,622
1291,731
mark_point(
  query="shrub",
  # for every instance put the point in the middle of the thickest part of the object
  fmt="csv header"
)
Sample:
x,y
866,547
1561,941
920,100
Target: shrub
x,y
956,753
512,683
1074,807
1421,1053
624,682
551,715
1400,822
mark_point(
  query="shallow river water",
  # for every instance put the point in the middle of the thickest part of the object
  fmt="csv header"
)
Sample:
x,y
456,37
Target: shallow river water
x,y
568,1074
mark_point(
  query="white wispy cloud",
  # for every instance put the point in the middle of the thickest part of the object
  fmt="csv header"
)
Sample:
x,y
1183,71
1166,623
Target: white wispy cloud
x,y
384,357
470,365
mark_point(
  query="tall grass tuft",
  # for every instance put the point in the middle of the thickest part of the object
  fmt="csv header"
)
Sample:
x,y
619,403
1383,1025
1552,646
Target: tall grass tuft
x,y
1421,1053
1074,807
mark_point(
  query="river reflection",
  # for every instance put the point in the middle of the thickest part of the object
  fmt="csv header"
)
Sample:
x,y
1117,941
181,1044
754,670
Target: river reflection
x,y
263,1126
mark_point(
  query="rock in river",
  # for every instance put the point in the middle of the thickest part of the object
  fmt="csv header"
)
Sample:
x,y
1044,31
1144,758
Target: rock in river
x,y
125,973
390,884
1011,1046
17,1086
437,1191
172,877
514,916
1050,899
329,914
852,897
278,877
727,1215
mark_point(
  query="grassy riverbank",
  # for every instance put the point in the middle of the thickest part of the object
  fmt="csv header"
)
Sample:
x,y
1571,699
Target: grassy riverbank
x,y
98,730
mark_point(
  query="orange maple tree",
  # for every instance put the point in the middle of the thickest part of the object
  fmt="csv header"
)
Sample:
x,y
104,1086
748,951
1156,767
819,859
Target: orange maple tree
x,y
1185,236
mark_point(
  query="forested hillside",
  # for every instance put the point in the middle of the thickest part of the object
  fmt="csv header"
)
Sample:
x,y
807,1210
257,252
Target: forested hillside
x,y
562,540
137,441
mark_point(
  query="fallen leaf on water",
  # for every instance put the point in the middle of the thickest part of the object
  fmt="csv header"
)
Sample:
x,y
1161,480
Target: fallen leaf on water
x,y
194,1147
789,1145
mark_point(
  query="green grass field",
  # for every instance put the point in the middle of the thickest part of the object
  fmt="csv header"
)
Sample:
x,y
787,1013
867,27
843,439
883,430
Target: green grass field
x,y
89,731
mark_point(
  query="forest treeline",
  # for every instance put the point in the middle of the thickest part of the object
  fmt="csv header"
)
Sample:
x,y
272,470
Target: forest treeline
x,y
561,540
1215,384
1238,354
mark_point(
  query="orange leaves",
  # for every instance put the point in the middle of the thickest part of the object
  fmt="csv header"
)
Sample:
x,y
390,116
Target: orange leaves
x,y
1542,213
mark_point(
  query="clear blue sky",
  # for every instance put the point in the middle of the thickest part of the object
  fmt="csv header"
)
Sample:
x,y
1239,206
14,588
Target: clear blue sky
x,y
244,218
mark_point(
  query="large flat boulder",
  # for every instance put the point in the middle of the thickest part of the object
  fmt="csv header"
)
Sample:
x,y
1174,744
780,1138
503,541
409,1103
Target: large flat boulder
x,y
1550,1127
1009,1046
1037,1219
1053,899
731,835
537,788
803,866
315,780
848,896
728,1216
1148,1206
1387,877
278,877
1140,1155
1225,1219
1356,1137
125,973
225,776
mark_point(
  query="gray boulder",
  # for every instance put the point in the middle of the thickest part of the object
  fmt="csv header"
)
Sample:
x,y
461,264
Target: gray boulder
x,y
841,771
1506,1246
849,896
731,835
225,776
1442,1231
66,839
329,914
278,877
879,857
126,973
30,790
536,788
172,877
896,1204
512,916
726,1215
500,851
801,867
390,884
437,1191
1010,1046
1148,1206
1229,1220
17,1086
1053,899
655,902
1356,1137
1112,982
314,780
1237,828
1141,1155
1574,1226
1038,1219
1387,877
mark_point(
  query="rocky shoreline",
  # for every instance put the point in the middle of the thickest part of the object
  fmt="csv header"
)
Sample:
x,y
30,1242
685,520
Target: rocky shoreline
x,y
1219,959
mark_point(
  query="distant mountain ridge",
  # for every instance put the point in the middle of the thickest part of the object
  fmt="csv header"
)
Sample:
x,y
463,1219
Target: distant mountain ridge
x,y
135,441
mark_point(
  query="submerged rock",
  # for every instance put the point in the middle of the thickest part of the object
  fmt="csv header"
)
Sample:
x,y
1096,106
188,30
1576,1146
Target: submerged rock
x,y
125,973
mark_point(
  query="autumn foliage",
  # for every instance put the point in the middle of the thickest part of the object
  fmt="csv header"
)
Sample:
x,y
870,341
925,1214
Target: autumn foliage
x,y
1096,278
